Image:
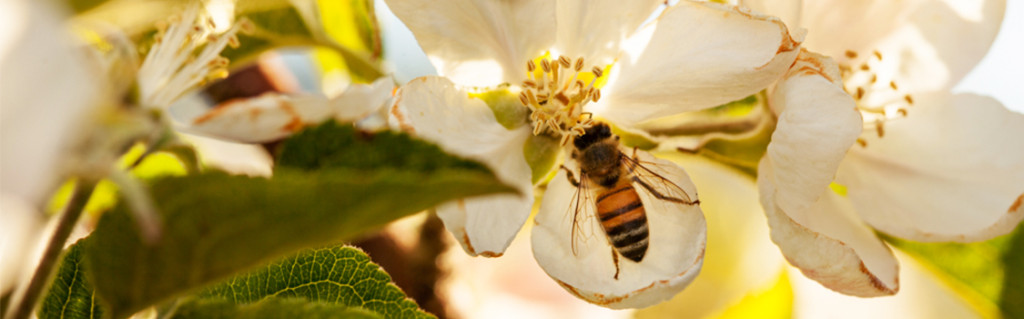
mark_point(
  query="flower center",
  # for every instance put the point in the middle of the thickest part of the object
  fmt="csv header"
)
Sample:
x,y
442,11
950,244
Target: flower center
x,y
175,64
878,100
556,93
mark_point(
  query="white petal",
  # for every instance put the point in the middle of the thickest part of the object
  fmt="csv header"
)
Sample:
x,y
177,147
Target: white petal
x,y
264,118
700,55
594,29
816,229
432,108
835,26
817,124
788,10
673,258
480,42
828,243
953,170
46,89
930,45
361,100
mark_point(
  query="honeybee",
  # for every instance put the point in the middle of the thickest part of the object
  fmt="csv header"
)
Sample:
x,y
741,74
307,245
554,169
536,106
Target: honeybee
x,y
615,178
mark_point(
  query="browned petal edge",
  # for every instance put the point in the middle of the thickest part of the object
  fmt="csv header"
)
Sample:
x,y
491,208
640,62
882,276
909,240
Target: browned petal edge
x,y
808,64
403,122
218,111
296,123
601,299
788,42
468,244
1016,204
811,273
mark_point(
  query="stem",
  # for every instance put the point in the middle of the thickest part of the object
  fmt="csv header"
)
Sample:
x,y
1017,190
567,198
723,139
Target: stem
x,y
41,277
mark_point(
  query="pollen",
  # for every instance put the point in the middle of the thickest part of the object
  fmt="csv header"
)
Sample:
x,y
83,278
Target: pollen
x,y
556,94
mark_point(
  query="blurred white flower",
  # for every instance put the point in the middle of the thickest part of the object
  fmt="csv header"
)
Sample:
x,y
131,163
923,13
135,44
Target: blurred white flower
x,y
929,165
46,90
695,55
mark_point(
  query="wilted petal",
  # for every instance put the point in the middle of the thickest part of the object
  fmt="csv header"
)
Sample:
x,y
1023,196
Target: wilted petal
x,y
479,42
700,55
361,100
594,29
952,170
264,118
432,108
677,235
817,230
829,243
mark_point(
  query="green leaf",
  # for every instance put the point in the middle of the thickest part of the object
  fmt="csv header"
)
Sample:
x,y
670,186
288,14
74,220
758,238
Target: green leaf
x,y
70,295
216,225
341,275
281,23
269,308
988,274
337,145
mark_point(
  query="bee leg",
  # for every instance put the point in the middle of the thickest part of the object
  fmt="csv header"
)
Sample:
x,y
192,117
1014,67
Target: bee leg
x,y
570,176
615,260
662,196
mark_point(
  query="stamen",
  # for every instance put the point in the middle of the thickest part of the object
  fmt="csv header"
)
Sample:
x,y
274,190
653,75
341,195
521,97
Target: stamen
x,y
902,112
530,66
909,99
562,98
596,96
597,72
579,64
865,67
862,142
851,54
860,93
878,55
545,65
566,63
880,128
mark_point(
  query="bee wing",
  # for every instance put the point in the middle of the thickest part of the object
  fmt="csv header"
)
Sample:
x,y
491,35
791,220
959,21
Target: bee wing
x,y
581,208
650,176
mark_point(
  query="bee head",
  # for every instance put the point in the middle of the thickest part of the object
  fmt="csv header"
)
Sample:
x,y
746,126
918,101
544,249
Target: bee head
x,y
591,135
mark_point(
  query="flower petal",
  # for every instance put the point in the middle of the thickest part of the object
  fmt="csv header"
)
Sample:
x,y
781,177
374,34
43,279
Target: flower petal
x,y
361,100
952,170
47,88
700,55
817,124
264,118
816,230
480,42
432,108
789,11
828,243
677,235
930,45
594,29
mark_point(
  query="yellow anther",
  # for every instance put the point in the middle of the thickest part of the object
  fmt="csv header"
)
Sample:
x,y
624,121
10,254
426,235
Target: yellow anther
x,y
909,99
545,66
860,93
566,63
579,64
851,54
865,67
878,55
892,84
597,72
880,128
530,66
862,142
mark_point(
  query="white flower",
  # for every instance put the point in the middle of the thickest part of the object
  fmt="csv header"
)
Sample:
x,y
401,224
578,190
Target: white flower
x,y
46,90
694,56
172,67
929,165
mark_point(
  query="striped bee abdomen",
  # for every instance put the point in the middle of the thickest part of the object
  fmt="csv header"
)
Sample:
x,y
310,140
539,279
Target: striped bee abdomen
x,y
624,220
